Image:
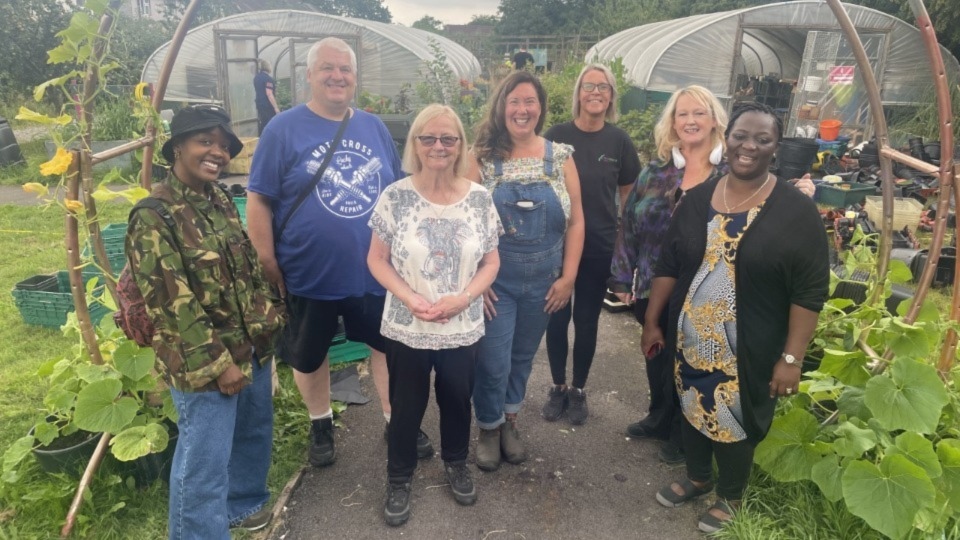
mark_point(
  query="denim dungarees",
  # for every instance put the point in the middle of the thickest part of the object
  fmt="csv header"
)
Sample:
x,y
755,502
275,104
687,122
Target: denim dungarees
x,y
531,257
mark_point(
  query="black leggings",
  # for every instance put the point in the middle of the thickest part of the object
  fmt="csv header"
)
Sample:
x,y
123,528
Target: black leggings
x,y
663,418
588,291
734,461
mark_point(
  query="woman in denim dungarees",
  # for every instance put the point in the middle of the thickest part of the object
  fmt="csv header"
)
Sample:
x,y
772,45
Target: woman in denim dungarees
x,y
536,191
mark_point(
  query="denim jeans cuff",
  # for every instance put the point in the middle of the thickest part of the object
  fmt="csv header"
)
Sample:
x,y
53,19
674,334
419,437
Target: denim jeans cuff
x,y
490,425
239,519
512,408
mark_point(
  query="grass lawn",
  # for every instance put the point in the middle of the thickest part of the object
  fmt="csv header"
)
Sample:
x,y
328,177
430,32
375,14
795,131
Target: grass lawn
x,y
31,241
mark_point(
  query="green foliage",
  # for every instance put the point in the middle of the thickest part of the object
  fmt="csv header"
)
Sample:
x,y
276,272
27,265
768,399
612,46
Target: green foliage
x,y
441,85
429,24
29,29
209,10
639,125
889,454
114,120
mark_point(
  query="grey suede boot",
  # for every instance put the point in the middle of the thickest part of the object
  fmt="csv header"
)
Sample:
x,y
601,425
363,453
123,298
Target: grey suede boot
x,y
513,450
488,449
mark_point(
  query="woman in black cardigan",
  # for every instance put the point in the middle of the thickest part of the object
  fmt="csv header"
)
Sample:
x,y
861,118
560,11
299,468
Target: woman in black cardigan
x,y
744,267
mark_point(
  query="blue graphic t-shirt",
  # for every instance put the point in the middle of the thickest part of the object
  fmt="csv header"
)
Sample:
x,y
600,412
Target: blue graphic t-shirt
x,y
323,251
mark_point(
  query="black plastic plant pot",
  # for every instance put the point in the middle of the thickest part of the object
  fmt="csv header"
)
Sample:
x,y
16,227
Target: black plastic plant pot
x,y
67,458
148,469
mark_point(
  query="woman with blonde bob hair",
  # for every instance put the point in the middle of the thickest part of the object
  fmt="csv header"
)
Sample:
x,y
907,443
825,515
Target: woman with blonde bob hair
x,y
434,248
690,148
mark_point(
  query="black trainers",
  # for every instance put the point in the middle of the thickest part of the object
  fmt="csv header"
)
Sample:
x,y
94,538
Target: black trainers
x,y
255,521
577,411
671,454
639,430
556,404
396,511
461,483
322,450
424,446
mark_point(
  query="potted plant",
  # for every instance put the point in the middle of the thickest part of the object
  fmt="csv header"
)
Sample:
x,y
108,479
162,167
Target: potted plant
x,y
122,397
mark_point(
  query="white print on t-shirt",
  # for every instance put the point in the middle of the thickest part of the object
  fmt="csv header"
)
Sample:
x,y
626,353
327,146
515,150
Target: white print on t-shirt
x,y
444,241
351,184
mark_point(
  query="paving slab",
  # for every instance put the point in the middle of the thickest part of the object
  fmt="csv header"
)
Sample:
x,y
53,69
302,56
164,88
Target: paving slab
x,y
585,482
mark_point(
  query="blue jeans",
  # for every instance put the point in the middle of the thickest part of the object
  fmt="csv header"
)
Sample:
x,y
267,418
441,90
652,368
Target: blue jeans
x,y
219,472
512,338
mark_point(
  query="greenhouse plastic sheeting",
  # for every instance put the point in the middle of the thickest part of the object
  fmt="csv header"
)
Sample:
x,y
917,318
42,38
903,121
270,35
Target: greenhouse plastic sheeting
x,y
389,56
700,49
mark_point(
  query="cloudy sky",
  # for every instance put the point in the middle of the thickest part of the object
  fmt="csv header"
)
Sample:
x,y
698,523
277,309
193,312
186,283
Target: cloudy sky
x,y
448,11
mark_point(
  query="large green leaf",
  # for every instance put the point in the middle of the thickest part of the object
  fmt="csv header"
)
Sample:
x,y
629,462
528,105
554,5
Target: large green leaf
x,y
45,433
139,441
899,272
851,404
17,451
910,398
853,441
788,452
100,407
132,361
848,367
826,474
59,398
919,450
948,450
887,497
908,340
92,372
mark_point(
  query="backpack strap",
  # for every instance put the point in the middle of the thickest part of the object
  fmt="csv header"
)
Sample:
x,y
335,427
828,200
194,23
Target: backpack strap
x,y
157,206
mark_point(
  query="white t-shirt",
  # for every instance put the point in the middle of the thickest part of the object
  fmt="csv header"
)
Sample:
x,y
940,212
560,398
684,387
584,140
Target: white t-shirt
x,y
436,249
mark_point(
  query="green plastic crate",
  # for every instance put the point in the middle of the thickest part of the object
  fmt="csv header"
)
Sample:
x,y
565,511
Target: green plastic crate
x,y
114,238
241,203
42,302
836,196
348,351
88,273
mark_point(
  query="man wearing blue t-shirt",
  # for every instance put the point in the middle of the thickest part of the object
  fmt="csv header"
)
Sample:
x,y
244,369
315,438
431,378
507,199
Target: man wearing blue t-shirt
x,y
319,261
266,101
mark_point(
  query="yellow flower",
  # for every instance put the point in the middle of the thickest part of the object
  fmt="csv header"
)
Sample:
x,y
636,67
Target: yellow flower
x,y
36,187
58,164
73,205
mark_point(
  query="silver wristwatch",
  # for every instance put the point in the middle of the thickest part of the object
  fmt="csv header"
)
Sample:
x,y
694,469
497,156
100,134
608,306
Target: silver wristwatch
x,y
791,360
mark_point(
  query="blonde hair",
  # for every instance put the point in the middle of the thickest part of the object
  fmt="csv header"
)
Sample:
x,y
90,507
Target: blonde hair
x,y
664,134
411,161
611,80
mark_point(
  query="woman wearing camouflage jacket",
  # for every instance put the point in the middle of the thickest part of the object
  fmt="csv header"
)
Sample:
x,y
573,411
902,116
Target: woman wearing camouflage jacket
x,y
215,321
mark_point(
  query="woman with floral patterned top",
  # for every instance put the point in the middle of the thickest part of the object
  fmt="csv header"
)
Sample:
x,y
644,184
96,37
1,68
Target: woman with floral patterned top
x,y
536,190
434,248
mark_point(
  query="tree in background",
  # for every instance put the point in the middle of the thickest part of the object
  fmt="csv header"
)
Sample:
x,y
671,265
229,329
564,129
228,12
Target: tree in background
x,y
134,40
28,30
430,24
210,10
484,20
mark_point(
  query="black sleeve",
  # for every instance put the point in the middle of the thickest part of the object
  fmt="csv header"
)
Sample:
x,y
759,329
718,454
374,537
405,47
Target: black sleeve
x,y
630,167
668,265
810,268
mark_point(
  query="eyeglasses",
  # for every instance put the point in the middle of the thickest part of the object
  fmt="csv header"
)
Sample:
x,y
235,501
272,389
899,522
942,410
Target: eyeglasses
x,y
447,140
590,87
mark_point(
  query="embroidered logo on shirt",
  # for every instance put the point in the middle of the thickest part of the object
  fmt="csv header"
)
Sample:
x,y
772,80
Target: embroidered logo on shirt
x,y
606,159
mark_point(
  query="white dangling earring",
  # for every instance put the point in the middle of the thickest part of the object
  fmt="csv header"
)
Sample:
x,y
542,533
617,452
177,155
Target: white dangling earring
x,y
678,159
716,155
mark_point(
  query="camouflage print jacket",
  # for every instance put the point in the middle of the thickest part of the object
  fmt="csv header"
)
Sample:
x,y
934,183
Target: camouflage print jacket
x,y
203,287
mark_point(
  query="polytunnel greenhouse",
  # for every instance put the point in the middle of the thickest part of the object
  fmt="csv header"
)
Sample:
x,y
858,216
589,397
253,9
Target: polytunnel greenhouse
x,y
792,56
218,60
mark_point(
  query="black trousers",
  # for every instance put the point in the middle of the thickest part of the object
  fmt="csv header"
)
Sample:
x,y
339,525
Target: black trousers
x,y
664,414
734,461
588,291
409,393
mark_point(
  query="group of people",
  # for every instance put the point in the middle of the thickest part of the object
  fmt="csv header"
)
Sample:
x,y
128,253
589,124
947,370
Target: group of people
x,y
456,261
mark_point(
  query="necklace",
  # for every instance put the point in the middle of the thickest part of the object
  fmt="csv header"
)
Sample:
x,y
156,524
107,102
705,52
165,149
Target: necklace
x,y
756,192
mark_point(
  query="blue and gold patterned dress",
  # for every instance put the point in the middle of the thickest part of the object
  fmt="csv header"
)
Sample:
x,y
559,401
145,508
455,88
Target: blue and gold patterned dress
x,y
706,367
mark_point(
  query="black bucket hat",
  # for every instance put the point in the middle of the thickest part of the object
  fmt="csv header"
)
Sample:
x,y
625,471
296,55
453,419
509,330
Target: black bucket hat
x,y
199,118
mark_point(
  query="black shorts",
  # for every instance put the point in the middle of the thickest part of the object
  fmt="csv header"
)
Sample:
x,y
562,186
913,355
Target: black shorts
x,y
313,324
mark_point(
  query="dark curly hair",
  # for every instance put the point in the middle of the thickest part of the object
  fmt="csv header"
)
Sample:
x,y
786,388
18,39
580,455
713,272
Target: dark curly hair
x,y
493,139
753,106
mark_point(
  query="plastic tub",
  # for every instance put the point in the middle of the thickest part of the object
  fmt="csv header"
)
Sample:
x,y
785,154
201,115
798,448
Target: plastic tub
x,y
830,129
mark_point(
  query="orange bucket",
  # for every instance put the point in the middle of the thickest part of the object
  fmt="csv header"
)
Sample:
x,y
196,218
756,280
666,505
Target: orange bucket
x,y
830,130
